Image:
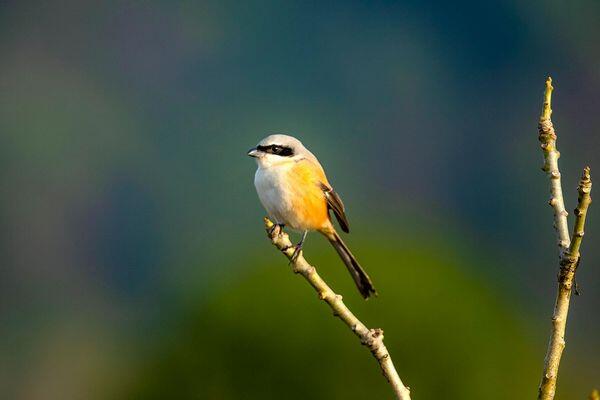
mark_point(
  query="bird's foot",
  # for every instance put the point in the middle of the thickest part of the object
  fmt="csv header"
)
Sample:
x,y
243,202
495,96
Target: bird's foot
x,y
276,230
298,248
297,251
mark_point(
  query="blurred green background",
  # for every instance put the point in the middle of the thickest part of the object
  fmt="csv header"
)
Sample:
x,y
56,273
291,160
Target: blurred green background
x,y
134,263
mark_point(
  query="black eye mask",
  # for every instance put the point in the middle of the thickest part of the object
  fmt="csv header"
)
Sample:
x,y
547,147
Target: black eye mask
x,y
276,149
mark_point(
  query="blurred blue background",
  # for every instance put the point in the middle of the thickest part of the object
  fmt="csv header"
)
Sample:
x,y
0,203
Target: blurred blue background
x,y
134,263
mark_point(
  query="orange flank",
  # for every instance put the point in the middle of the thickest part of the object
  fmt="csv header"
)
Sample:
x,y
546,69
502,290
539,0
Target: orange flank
x,y
309,202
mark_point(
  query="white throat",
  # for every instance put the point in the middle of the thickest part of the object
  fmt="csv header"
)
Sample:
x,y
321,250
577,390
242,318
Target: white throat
x,y
272,160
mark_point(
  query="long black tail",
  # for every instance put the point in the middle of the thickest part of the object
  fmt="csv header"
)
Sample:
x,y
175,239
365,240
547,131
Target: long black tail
x,y
362,280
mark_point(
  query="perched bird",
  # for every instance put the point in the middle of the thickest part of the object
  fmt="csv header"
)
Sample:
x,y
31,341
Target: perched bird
x,y
294,190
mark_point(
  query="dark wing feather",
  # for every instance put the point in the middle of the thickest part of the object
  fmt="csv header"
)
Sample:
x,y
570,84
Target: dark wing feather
x,y
334,203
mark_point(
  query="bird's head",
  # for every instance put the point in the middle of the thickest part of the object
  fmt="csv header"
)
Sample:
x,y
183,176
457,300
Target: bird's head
x,y
278,149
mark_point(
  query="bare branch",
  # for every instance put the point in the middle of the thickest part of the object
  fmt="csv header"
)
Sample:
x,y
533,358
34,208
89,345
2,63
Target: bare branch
x,y
569,254
547,139
372,338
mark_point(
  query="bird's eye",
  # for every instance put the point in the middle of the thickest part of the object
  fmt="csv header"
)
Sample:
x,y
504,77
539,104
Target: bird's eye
x,y
278,150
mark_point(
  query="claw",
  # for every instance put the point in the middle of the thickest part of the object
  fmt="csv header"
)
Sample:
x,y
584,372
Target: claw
x,y
272,230
297,251
276,229
298,248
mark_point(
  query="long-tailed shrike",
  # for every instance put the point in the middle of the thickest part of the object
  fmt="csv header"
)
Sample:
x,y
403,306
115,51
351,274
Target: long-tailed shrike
x,y
294,190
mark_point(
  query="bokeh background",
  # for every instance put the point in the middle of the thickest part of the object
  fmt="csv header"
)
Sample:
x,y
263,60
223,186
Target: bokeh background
x,y
133,259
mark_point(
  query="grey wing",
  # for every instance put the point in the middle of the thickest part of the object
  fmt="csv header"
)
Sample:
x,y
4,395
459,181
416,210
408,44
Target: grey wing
x,y
335,204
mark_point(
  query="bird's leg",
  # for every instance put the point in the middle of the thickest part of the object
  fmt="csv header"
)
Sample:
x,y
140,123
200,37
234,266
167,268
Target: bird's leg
x,y
298,247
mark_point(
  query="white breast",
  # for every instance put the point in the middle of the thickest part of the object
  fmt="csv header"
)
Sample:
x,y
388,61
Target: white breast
x,y
273,192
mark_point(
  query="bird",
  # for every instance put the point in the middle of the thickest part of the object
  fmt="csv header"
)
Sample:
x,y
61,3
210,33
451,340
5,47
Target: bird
x,y
292,187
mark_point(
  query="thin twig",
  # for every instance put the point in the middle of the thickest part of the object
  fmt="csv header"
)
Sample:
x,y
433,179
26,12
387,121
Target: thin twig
x,y
569,249
372,338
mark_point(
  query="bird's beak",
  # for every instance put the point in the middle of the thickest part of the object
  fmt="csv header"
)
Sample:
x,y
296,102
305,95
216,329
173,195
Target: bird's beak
x,y
253,152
